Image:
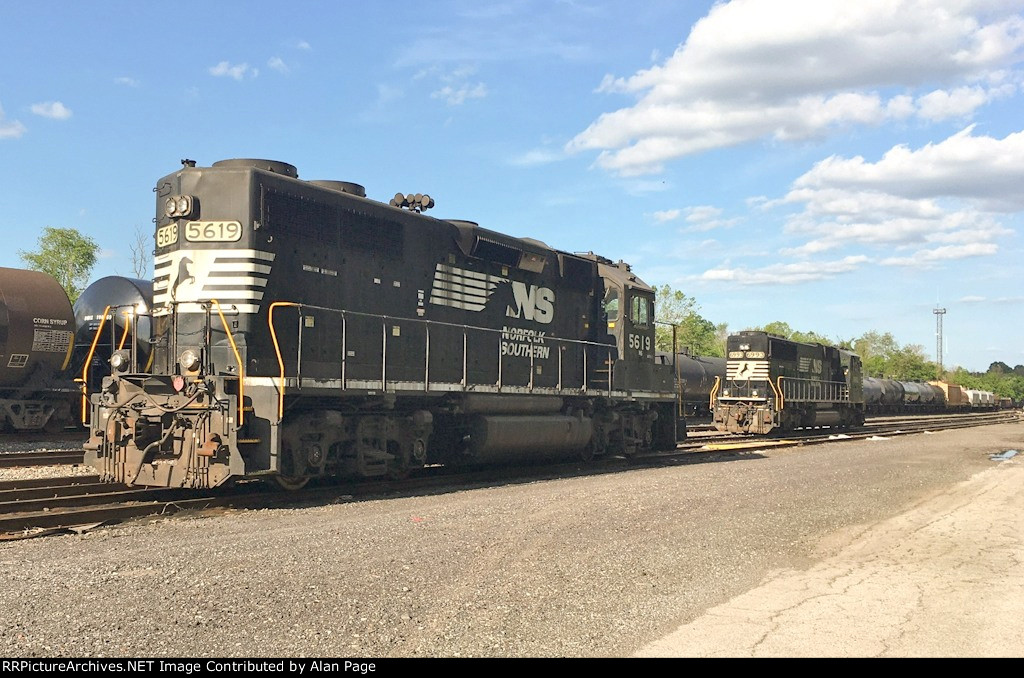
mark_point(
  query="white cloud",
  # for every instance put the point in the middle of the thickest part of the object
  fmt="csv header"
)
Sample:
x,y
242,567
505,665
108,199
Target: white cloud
x,y
236,71
925,258
10,129
128,82
457,87
278,64
54,110
958,103
536,156
749,71
667,215
971,299
698,218
940,202
302,44
979,168
785,274
456,96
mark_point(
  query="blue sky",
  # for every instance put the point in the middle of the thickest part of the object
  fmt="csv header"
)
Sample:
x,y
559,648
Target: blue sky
x,y
839,166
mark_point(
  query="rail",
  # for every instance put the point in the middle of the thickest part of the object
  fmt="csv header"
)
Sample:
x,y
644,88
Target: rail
x,y
465,330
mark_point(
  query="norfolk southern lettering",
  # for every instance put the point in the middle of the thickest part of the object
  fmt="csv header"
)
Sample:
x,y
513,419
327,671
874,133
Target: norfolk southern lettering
x,y
519,342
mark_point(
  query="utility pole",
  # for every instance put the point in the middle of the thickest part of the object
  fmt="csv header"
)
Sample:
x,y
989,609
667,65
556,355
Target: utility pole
x,y
939,312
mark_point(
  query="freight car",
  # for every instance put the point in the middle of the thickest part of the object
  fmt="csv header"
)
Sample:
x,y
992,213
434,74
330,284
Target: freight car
x,y
303,330
37,329
889,396
773,383
695,378
45,343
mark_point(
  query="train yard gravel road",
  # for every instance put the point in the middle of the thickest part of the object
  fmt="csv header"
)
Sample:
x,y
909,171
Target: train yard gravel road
x,y
912,546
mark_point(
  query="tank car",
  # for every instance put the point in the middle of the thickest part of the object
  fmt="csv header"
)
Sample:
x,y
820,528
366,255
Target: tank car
x,y
302,329
111,318
36,338
883,396
773,383
695,378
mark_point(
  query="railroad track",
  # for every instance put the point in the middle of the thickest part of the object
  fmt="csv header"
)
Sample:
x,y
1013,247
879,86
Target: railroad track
x,y
42,506
54,458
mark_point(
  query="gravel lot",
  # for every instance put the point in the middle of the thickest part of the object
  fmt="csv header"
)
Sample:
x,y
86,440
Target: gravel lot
x,y
596,566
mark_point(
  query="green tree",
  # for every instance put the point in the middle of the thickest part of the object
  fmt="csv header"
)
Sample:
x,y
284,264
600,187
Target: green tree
x,y
999,366
65,254
777,327
883,356
693,331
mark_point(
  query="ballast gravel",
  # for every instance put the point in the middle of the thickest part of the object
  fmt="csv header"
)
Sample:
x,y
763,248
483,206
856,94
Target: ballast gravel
x,y
588,566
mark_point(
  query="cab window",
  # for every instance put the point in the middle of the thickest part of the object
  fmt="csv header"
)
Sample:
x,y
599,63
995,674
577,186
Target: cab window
x,y
640,312
611,305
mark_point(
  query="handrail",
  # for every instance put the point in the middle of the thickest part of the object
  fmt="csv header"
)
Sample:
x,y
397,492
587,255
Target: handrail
x,y
84,381
714,393
127,326
779,398
427,324
238,359
815,390
277,351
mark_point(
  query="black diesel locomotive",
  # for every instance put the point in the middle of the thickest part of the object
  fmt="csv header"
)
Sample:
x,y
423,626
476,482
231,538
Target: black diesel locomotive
x,y
302,330
773,383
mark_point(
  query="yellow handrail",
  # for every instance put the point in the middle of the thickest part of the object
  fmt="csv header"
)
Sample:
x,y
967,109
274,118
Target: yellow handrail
x,y
778,392
277,351
84,380
714,394
127,326
238,359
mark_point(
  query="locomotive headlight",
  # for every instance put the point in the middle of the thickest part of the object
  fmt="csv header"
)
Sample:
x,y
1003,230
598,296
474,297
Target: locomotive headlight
x,y
189,360
178,206
119,361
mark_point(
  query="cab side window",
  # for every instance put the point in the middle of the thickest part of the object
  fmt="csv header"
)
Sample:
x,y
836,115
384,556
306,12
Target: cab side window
x,y
640,311
611,308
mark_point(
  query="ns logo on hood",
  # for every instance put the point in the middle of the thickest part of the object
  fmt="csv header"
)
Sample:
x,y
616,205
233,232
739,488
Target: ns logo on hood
x,y
531,303
471,290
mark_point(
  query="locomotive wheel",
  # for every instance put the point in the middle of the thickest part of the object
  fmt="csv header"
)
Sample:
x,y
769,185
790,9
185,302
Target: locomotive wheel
x,y
290,484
